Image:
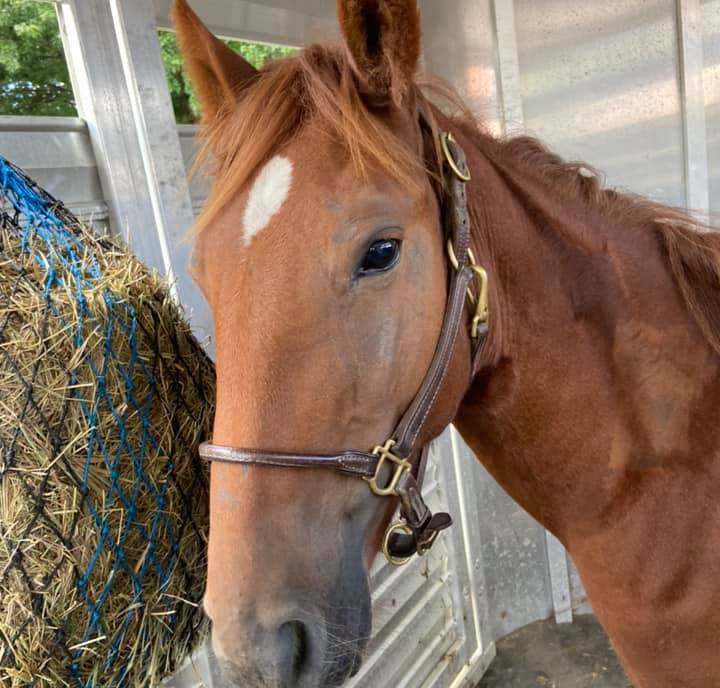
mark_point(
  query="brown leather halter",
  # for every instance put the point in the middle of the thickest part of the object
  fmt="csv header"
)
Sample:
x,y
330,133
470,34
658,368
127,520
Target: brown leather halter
x,y
396,468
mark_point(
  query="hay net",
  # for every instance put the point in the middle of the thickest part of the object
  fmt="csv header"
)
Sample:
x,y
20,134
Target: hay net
x,y
104,396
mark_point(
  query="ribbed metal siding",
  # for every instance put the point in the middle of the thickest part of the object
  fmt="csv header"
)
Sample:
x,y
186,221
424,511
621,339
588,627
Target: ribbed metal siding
x,y
413,623
430,617
57,153
599,81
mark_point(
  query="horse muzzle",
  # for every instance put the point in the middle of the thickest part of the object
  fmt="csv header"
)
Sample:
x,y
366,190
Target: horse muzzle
x,y
298,653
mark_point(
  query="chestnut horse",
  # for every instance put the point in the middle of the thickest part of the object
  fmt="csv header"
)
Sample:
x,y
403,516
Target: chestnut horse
x,y
594,401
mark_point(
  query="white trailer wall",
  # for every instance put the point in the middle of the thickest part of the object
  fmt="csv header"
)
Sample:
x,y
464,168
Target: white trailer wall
x,y
710,22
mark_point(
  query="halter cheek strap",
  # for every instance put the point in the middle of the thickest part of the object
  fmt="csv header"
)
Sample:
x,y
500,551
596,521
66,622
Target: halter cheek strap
x,y
397,467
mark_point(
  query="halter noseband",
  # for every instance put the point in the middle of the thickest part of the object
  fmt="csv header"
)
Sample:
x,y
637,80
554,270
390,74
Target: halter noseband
x,y
397,467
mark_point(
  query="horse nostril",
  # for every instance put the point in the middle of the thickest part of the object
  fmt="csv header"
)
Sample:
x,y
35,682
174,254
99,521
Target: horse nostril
x,y
355,666
294,649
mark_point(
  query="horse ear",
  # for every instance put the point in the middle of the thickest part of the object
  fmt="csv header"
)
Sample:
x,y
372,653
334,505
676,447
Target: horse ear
x,y
217,72
383,38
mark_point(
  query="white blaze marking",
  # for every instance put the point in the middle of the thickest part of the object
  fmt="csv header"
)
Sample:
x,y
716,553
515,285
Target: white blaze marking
x,y
268,193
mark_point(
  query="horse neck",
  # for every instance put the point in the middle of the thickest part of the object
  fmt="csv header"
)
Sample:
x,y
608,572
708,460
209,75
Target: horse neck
x,y
596,370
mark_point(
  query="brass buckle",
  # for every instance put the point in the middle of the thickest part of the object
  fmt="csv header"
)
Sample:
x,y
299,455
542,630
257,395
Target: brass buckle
x,y
403,527
462,175
401,464
481,303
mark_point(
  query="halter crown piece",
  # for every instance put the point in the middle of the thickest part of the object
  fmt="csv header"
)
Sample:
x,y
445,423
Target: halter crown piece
x,y
396,468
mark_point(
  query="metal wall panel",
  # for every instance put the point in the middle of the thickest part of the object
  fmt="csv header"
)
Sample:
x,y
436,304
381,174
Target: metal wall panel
x,y
459,46
283,21
690,51
711,86
57,153
599,83
199,185
516,566
427,616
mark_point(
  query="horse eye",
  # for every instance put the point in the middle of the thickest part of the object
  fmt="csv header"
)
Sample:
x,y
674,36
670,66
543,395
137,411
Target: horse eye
x,y
381,256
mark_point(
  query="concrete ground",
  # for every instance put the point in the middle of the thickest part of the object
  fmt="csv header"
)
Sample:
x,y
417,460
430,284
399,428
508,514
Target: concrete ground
x,y
548,655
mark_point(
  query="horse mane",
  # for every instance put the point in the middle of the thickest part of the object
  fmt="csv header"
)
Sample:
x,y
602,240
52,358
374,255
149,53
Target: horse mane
x,y
319,82
694,256
691,246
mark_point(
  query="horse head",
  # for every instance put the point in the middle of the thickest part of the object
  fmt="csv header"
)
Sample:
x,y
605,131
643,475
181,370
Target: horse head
x,y
322,256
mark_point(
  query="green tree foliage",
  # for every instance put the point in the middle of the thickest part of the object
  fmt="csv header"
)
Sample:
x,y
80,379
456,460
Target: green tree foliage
x,y
34,77
187,109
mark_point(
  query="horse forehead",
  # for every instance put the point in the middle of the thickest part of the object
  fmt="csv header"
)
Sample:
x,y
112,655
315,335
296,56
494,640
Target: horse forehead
x,y
268,193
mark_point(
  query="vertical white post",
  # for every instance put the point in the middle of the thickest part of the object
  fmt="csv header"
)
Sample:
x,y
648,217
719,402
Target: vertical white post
x,y
458,476
119,81
508,66
692,97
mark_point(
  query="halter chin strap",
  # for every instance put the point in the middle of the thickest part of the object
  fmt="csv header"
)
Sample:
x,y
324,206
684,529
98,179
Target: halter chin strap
x,y
397,467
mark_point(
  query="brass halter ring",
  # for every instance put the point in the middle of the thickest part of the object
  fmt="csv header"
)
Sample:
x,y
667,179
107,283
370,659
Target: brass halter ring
x,y
463,175
402,527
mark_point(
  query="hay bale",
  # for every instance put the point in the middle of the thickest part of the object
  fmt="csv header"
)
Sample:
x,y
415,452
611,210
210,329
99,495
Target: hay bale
x,y
103,503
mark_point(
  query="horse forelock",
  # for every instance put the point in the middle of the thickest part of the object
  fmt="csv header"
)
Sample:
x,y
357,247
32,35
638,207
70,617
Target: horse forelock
x,y
316,86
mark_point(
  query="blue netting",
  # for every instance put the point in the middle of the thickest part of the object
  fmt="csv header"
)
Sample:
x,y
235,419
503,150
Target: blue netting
x,y
118,395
